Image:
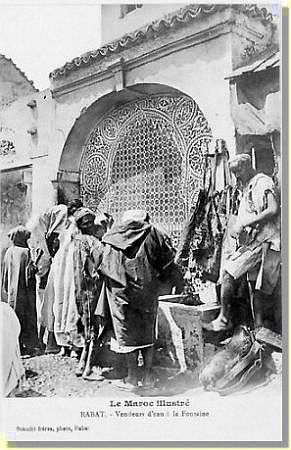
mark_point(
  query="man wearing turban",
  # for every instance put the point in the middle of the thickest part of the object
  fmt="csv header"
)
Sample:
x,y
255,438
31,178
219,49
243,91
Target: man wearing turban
x,y
257,232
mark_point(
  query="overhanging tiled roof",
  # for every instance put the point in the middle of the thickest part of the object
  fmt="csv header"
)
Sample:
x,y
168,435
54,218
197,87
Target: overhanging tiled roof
x,y
269,62
178,18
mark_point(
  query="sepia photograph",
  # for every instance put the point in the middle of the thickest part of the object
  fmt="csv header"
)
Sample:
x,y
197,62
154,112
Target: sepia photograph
x,y
141,181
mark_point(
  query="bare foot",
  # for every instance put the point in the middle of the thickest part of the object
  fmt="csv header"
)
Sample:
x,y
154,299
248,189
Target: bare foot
x,y
74,354
131,380
128,384
94,374
148,381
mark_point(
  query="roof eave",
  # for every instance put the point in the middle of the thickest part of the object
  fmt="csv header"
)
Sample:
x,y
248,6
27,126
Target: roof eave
x,y
178,18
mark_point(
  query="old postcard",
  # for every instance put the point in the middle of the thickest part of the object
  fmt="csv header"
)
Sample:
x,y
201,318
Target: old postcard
x,y
144,289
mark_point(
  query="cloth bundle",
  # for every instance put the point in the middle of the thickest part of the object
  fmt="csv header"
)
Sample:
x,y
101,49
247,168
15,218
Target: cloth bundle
x,y
244,359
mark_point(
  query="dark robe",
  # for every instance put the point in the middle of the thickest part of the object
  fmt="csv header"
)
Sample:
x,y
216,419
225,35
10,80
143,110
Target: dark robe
x,y
135,258
19,286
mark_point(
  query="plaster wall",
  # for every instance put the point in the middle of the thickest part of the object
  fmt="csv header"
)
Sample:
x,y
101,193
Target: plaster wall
x,y
67,110
43,192
172,59
200,29
198,71
33,150
16,160
18,119
15,120
44,153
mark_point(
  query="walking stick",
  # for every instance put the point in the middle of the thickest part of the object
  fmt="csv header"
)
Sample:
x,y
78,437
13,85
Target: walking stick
x,y
251,294
85,352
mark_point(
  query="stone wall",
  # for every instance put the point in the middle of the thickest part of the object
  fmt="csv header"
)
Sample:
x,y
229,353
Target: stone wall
x,y
179,338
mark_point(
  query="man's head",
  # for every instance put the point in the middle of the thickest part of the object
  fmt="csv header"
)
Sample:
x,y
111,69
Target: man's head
x,y
85,220
19,236
73,205
86,224
241,167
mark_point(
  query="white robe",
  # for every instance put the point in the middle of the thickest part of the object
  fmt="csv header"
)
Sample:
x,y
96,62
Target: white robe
x,y
11,364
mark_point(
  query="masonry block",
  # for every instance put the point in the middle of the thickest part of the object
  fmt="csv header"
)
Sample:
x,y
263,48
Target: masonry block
x,y
179,342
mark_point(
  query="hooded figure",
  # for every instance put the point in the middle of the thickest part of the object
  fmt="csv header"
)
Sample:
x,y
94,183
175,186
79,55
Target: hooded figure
x,y
44,242
44,230
136,257
19,287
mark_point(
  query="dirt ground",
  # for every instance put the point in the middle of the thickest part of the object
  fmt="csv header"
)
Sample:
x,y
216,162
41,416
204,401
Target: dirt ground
x,y
54,376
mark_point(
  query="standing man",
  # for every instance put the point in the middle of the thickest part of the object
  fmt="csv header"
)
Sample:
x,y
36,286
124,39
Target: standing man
x,y
19,288
67,278
136,256
44,243
257,231
87,243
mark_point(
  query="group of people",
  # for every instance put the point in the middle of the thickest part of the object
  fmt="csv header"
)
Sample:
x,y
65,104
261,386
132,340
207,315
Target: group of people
x,y
92,275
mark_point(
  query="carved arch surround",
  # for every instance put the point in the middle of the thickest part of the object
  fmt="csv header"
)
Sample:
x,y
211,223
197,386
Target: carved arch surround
x,y
147,153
